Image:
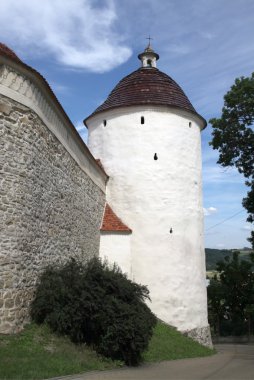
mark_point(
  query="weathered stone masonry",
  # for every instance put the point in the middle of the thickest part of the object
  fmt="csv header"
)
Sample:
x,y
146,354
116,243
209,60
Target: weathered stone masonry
x,y
50,209
52,190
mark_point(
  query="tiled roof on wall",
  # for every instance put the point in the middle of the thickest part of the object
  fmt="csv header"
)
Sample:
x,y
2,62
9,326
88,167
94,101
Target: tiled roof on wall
x,y
7,52
111,222
4,50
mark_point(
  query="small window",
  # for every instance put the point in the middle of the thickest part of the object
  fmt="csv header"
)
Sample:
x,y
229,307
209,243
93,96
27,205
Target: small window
x,y
104,123
149,63
190,124
155,157
142,120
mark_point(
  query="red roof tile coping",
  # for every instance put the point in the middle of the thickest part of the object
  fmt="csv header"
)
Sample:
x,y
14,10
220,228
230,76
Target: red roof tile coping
x,y
7,52
146,86
111,222
4,50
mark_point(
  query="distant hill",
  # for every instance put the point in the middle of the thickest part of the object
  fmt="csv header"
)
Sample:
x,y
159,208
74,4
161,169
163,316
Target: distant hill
x,y
215,255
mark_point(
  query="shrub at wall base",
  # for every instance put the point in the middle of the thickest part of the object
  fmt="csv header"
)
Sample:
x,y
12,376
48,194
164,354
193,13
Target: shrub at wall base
x,y
98,305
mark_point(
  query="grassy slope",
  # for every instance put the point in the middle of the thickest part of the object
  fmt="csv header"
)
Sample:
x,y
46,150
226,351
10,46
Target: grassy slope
x,y
37,354
168,344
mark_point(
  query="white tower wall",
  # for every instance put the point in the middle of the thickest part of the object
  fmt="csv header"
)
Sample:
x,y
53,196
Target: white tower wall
x,y
154,196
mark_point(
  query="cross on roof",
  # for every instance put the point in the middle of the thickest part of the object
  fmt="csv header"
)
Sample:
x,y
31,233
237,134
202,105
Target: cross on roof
x,y
149,38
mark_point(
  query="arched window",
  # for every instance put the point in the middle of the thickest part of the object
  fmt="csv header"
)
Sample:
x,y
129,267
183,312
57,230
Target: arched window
x,y
142,120
149,62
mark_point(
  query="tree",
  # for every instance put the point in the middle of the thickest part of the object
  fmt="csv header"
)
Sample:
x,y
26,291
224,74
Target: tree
x,y
231,295
233,136
96,304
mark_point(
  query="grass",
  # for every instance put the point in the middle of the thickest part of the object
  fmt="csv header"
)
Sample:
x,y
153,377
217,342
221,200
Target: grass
x,y
168,344
36,353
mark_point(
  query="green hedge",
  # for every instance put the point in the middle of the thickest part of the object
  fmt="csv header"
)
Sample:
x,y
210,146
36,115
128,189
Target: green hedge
x,y
98,305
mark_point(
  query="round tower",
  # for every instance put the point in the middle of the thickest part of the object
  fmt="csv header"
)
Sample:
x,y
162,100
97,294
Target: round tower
x,y
147,137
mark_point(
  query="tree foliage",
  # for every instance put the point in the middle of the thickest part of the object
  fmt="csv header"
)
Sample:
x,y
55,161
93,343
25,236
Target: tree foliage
x,y
233,136
231,295
98,305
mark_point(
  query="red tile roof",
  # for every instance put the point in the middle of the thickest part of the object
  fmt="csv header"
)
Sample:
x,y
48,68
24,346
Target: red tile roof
x,y
7,52
111,222
146,86
4,50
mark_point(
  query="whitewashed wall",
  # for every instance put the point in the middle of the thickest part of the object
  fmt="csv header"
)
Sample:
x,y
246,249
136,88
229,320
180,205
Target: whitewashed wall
x,y
115,248
153,196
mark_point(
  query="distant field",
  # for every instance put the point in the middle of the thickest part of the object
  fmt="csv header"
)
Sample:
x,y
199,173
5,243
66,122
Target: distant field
x,y
215,255
210,273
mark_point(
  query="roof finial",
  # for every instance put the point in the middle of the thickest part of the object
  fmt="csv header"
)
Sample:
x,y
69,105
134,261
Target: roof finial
x,y
149,43
148,58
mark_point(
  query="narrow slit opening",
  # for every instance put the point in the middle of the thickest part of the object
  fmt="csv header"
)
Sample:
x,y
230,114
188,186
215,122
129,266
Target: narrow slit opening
x,y
142,120
104,123
190,124
155,157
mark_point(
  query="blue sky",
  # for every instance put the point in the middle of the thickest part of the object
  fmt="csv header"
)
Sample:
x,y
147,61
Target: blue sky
x,y
84,47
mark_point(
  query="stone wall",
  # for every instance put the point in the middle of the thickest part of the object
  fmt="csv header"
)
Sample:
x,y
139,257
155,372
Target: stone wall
x,y
50,209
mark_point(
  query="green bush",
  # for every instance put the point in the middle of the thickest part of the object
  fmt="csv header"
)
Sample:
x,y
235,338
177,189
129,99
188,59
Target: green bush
x,y
231,296
233,327
98,305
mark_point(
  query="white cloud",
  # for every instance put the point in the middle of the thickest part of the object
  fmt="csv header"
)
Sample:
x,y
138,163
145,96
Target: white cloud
x,y
247,227
209,211
77,33
82,130
218,174
177,49
220,245
80,127
207,35
58,88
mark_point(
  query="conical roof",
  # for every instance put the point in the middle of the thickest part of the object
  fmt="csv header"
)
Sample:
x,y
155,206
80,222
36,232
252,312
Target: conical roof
x,y
146,86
